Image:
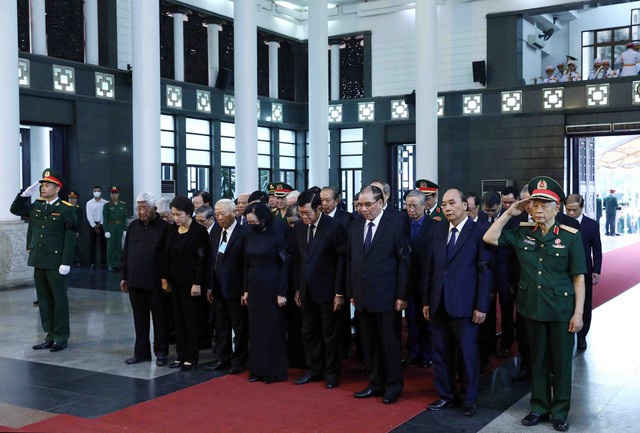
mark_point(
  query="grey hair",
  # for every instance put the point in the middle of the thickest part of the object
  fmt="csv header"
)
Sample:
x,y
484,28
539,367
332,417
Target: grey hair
x,y
417,193
524,190
227,203
148,198
206,210
162,205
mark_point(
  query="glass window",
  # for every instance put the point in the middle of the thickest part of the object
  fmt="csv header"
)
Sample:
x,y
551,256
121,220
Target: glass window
x,y
228,159
621,34
354,134
198,157
197,126
287,164
351,161
227,129
264,134
264,147
264,161
167,156
200,142
167,123
167,139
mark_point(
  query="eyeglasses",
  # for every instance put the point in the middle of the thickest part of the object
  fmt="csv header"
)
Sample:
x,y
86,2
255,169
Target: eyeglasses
x,y
369,203
415,206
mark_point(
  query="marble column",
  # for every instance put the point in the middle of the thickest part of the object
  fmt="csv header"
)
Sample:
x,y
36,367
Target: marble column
x,y
146,97
92,51
13,257
213,30
245,57
335,70
273,68
178,46
38,27
426,91
318,94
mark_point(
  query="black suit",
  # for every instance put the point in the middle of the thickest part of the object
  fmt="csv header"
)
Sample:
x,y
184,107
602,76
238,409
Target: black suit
x,y
376,279
593,253
319,272
227,281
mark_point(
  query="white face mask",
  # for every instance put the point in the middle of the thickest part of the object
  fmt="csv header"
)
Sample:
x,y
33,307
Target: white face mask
x,y
97,194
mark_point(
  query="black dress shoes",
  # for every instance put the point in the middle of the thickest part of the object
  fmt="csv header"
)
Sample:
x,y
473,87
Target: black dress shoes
x,y
235,370
186,366
253,378
469,408
425,364
504,353
440,404
175,364
560,424
136,360
360,369
367,393
308,377
161,361
390,398
582,344
523,374
57,347
269,379
216,365
534,418
408,361
44,345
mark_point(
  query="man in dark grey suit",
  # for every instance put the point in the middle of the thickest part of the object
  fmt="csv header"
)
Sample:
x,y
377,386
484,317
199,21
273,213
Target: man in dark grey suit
x,y
377,285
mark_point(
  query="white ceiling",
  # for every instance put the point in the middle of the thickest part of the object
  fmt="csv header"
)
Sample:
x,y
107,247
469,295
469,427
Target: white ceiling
x,y
618,152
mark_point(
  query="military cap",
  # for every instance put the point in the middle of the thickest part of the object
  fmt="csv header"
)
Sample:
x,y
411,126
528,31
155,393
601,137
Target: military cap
x,y
605,61
549,68
282,189
630,45
272,188
597,62
115,189
51,176
560,64
73,194
571,62
426,186
546,189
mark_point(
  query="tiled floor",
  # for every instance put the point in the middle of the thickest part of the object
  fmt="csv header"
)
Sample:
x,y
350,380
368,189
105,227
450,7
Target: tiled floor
x,y
89,379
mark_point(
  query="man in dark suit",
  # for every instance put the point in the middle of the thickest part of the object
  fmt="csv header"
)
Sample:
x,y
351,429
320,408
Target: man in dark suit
x,y
318,279
590,229
227,241
611,208
456,298
377,285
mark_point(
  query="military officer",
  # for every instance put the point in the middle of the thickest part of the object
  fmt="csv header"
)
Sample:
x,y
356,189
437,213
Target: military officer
x,y
51,241
281,191
596,72
551,295
114,220
430,190
272,196
73,199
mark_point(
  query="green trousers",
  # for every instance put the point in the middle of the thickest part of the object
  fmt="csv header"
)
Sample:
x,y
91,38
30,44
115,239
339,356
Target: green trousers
x,y
551,361
51,288
114,245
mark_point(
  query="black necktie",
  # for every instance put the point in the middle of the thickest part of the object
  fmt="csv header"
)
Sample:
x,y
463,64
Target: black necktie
x,y
224,237
310,235
369,237
452,243
414,229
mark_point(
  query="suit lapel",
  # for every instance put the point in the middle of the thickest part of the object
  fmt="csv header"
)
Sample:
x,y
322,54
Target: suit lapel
x,y
379,230
464,235
319,230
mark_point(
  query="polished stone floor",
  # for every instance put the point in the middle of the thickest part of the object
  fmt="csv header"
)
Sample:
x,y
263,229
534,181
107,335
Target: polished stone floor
x,y
89,378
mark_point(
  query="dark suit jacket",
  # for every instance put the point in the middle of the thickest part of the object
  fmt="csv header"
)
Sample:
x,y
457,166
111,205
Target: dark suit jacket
x,y
482,217
143,253
319,269
227,270
344,218
592,245
186,258
418,260
378,277
465,277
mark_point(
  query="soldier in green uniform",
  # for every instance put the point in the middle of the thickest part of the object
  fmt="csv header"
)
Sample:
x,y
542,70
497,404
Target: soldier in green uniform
x,y
73,199
114,221
430,190
51,242
550,295
281,192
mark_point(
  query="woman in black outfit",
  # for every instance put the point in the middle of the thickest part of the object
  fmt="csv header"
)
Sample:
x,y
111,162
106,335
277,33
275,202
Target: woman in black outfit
x,y
265,290
184,274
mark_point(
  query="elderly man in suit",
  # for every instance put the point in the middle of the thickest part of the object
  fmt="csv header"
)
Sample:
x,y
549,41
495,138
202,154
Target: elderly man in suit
x,y
378,251
227,243
456,298
318,279
590,229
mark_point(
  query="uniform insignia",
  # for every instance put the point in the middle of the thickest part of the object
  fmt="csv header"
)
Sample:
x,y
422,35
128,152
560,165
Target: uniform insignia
x,y
569,229
558,244
46,173
527,224
438,210
66,203
423,184
542,184
437,218
529,240
40,199
556,230
55,213
534,229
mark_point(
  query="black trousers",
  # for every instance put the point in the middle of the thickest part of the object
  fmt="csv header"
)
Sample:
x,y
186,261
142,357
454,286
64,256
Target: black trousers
x,y
322,335
146,305
381,347
95,238
187,316
588,306
230,315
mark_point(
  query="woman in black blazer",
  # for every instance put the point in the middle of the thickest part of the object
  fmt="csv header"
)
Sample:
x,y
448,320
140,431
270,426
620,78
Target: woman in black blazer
x,y
184,274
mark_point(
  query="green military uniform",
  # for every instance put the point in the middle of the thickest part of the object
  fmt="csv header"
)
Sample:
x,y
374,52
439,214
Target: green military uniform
x,y
114,222
430,189
281,190
546,299
436,214
77,256
51,242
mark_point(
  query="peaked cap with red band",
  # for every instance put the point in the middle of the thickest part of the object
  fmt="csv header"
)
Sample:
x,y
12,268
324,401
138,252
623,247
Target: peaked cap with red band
x,y
546,189
51,176
282,189
426,186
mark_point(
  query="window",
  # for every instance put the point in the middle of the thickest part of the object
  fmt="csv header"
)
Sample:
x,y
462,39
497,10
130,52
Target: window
x,y
167,147
198,140
264,157
351,149
287,152
227,159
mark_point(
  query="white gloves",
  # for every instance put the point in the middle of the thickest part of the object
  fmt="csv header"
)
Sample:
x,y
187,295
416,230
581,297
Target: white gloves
x,y
107,235
30,190
64,269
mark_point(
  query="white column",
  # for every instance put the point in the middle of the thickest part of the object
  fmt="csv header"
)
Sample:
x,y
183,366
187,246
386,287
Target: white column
x,y
38,27
40,146
214,52
178,46
273,69
92,51
335,71
246,94
9,109
318,95
146,96
426,91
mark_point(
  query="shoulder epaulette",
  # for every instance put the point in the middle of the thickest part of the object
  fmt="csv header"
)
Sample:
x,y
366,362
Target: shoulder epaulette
x,y
40,199
527,224
569,229
122,202
66,203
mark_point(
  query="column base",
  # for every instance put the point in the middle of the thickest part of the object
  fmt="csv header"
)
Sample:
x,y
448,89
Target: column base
x,y
14,271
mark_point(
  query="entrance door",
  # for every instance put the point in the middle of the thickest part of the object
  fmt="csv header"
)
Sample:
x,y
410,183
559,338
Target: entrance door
x,y
404,167
583,178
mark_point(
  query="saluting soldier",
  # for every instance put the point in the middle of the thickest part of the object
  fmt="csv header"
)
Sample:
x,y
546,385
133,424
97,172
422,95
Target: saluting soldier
x,y
430,190
550,295
51,242
114,220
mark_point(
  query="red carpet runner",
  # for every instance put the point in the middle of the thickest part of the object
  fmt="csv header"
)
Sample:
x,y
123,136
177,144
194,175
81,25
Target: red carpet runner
x,y
232,404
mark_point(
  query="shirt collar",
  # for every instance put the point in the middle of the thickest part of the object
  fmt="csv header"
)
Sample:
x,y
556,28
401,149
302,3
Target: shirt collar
x,y
459,226
333,214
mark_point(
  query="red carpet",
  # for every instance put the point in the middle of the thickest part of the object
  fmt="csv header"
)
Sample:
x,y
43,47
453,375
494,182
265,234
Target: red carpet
x,y
620,272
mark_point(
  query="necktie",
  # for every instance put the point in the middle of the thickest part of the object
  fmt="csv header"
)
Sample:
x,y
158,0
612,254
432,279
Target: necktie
x,y
452,243
243,221
428,212
224,237
369,237
223,241
310,235
414,229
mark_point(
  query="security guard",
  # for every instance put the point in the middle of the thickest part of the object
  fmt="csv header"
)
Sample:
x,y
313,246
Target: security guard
x,y
51,241
430,190
550,295
114,222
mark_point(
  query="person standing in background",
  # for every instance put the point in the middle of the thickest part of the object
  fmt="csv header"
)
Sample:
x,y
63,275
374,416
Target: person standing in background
x,y
114,217
96,235
73,199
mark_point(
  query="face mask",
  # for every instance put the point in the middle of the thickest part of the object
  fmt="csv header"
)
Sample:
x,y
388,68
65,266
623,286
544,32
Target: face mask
x,y
97,194
256,227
